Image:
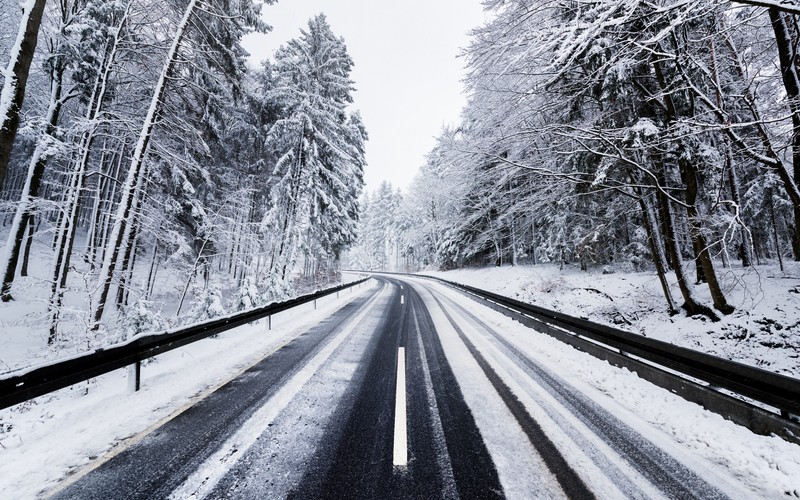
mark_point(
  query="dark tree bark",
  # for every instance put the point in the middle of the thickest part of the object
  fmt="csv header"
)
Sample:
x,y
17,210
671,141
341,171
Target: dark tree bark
x,y
689,176
16,80
691,305
699,240
657,252
26,254
36,173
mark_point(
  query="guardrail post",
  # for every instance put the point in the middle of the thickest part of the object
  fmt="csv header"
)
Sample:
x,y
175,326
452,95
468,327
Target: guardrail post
x,y
138,369
269,322
315,304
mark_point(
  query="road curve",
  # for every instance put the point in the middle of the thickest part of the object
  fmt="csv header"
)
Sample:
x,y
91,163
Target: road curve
x,y
403,393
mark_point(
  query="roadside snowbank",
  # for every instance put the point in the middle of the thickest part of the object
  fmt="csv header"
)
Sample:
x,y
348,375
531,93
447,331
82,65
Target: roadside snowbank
x,y
764,330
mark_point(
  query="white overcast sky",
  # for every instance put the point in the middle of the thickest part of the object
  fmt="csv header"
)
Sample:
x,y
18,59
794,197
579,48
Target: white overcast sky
x,y
406,69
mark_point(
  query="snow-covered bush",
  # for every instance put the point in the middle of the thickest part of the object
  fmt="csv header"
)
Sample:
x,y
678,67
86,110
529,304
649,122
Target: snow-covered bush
x,y
247,297
141,318
206,305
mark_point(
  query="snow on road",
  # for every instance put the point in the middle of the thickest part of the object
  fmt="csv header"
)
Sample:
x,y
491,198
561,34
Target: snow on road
x,y
732,458
324,388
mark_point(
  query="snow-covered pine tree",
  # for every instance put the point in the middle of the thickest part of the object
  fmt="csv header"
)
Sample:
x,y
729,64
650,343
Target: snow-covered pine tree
x,y
319,146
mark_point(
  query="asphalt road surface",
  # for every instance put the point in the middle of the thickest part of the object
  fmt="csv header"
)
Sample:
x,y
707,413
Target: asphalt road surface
x,y
394,397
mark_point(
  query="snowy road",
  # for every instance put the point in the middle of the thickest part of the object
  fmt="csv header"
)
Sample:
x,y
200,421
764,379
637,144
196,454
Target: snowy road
x,y
480,411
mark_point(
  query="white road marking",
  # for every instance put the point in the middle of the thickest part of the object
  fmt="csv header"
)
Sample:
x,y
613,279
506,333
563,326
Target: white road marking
x,y
400,431
402,299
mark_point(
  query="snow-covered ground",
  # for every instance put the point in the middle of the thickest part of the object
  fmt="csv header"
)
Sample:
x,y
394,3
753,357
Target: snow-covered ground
x,y
55,435
764,330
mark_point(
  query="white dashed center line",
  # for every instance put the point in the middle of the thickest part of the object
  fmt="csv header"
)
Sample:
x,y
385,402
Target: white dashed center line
x,y
400,435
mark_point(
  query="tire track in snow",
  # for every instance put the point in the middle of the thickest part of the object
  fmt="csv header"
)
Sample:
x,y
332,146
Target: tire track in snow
x,y
571,483
658,467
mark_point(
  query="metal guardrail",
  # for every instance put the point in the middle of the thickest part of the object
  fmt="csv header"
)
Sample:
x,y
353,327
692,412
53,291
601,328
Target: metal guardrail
x,y
770,388
673,367
36,382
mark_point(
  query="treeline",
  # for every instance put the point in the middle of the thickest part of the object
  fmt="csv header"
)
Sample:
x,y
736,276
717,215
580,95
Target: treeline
x,y
142,141
640,134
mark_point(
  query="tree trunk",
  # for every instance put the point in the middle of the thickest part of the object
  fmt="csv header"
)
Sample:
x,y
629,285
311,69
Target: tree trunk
x,y
787,40
775,228
689,177
700,272
699,240
110,195
658,254
16,78
746,248
151,274
30,189
729,169
127,262
26,254
690,304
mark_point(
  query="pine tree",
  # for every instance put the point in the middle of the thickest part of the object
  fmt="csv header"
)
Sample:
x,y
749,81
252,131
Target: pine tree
x,y
319,146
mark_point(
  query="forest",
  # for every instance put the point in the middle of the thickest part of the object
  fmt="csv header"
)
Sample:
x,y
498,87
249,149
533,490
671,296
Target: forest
x,y
150,177
144,163
644,136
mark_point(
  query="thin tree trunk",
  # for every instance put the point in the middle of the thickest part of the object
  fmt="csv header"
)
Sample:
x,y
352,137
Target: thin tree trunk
x,y
131,267
88,251
16,78
127,261
26,254
658,254
189,279
151,275
108,203
775,228
733,179
30,189
513,244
